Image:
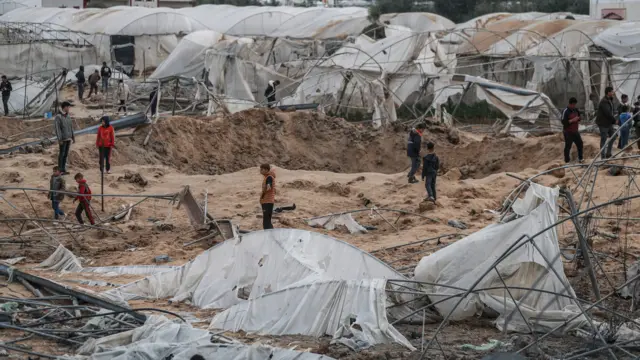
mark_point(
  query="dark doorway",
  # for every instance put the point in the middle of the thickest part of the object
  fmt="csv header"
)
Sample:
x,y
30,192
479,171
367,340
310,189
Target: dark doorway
x,y
124,55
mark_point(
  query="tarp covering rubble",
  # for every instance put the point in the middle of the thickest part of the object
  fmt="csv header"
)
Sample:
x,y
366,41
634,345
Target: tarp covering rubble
x,y
330,280
464,262
159,338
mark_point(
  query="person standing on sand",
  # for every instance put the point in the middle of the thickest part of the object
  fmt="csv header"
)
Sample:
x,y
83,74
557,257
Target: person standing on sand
x,y
123,96
570,130
80,81
105,72
93,82
5,88
84,198
430,167
64,132
56,184
105,141
268,195
605,119
413,151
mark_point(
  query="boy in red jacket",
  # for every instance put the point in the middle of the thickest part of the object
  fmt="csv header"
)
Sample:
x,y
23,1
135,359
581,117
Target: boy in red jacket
x,y
84,198
105,141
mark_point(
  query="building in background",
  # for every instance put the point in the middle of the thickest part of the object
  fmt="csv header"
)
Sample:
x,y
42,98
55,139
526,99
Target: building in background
x,y
615,9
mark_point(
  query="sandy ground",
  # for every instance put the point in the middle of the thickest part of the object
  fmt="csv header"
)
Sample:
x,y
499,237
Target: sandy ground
x,y
368,167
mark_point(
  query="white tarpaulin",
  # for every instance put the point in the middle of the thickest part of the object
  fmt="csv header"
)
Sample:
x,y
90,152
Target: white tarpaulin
x,y
317,309
160,339
337,278
466,261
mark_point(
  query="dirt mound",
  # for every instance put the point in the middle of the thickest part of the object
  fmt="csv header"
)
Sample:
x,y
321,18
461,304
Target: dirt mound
x,y
477,159
15,129
293,140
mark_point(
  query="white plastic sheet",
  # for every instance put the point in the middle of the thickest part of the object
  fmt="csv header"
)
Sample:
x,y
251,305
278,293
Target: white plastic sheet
x,y
159,338
266,268
468,263
317,309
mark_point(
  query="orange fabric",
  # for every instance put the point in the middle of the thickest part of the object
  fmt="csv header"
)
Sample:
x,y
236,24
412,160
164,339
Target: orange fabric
x,y
106,137
269,195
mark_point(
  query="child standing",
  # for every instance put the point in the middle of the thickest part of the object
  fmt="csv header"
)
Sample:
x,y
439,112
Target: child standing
x,y
625,126
84,199
430,167
105,141
268,196
56,184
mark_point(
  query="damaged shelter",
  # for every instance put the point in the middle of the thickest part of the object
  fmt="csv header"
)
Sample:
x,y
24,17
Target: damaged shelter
x,y
331,281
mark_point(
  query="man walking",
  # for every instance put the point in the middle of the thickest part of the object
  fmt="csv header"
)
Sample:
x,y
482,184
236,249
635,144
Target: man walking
x,y
570,125
5,88
80,81
64,133
93,82
268,196
105,72
605,119
413,151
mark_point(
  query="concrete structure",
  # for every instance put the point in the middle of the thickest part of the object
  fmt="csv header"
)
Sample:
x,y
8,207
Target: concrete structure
x,y
615,9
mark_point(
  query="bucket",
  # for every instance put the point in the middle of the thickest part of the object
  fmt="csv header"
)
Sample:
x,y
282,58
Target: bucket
x,y
47,115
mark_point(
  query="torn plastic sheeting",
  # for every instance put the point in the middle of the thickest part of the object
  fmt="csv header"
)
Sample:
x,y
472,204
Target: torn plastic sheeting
x,y
258,263
159,338
64,260
330,222
316,309
61,260
461,263
129,270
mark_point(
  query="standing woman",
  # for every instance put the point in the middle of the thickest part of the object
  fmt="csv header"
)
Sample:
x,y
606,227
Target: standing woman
x,y
105,141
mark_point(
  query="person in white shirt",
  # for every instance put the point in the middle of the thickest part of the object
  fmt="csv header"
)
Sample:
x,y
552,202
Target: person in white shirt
x,y
123,96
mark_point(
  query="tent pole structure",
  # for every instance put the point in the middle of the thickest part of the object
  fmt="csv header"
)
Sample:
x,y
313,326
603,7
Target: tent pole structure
x,y
582,242
175,97
26,73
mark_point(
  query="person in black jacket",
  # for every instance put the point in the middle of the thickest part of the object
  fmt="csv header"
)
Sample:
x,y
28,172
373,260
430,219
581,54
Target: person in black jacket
x,y
413,151
270,92
571,131
81,81
430,167
105,73
605,119
5,88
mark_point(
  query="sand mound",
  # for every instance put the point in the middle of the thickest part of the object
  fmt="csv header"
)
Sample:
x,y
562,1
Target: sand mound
x,y
296,140
313,141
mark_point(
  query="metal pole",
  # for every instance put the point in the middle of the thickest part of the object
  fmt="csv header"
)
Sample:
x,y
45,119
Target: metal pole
x,y
26,72
102,181
175,98
144,66
583,243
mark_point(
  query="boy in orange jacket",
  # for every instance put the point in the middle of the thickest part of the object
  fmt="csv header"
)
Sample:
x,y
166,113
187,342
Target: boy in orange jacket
x,y
84,199
105,141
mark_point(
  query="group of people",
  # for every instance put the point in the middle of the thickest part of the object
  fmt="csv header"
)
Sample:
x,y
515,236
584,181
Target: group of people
x,y
105,141
607,118
430,162
122,91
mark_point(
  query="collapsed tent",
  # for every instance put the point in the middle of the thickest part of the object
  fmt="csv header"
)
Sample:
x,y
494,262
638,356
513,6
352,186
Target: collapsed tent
x,y
338,280
469,264
159,338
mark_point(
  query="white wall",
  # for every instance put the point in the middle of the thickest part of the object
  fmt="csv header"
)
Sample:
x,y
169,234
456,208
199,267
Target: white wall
x,y
632,8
